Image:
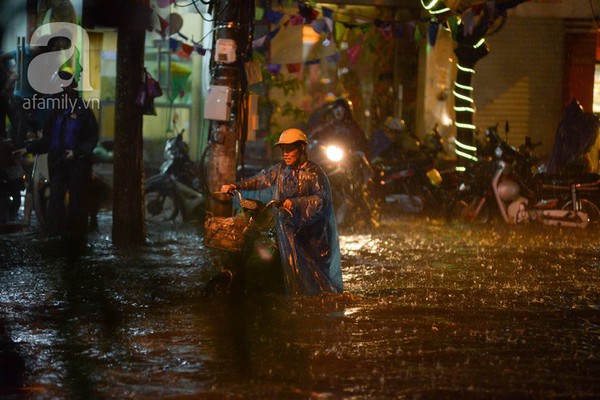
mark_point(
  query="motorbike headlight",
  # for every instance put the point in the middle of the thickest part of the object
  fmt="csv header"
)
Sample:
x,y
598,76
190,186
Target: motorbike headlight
x,y
334,153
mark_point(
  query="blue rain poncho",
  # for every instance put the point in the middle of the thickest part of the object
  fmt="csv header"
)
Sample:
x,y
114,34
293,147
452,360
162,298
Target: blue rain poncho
x,y
308,240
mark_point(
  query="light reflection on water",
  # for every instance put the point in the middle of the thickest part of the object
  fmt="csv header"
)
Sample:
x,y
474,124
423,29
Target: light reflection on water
x,y
430,311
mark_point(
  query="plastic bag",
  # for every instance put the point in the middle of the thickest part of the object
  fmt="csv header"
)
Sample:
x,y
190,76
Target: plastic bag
x,y
148,92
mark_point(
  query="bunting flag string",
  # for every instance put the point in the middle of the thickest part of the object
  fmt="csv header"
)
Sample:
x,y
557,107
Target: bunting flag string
x,y
181,48
309,13
417,29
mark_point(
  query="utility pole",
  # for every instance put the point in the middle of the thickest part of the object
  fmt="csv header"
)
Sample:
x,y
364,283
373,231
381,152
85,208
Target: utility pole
x,y
128,209
227,95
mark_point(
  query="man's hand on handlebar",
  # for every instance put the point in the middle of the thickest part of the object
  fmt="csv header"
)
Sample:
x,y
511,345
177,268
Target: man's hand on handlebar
x,y
228,188
19,152
287,204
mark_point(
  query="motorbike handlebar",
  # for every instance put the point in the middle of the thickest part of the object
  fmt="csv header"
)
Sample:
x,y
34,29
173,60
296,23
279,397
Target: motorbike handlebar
x,y
277,203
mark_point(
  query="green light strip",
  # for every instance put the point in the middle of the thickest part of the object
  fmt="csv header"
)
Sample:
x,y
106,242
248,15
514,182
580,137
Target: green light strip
x,y
480,43
465,87
465,69
465,155
465,126
460,96
430,6
443,10
464,109
465,146
460,169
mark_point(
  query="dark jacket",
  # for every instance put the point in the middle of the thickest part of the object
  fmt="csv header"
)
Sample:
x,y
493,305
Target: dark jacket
x,y
72,126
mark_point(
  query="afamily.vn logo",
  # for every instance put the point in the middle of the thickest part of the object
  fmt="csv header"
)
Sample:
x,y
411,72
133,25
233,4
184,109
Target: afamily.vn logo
x,y
61,102
62,42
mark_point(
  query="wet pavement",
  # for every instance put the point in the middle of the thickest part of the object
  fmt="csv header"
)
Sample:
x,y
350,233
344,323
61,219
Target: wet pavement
x,y
431,311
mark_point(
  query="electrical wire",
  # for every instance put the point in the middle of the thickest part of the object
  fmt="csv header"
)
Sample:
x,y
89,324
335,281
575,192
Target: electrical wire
x,y
200,12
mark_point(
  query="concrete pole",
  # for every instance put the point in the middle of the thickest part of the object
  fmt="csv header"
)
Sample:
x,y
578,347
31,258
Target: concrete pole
x,y
229,23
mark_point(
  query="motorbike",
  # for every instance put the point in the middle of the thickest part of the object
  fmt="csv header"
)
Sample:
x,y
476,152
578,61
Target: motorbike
x,y
408,171
11,183
523,194
176,191
251,241
338,145
474,199
352,180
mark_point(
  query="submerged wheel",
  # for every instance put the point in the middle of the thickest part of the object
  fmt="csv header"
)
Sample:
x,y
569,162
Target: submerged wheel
x,y
160,207
470,209
218,284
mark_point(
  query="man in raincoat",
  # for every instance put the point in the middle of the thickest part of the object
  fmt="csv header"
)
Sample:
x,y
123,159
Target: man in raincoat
x,y
308,240
70,135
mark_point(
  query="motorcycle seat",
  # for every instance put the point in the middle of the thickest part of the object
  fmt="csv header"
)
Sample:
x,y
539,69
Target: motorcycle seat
x,y
569,179
399,165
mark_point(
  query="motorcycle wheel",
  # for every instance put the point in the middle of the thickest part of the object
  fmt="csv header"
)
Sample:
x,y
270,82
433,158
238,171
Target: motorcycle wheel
x,y
341,209
587,207
375,203
469,209
160,207
41,188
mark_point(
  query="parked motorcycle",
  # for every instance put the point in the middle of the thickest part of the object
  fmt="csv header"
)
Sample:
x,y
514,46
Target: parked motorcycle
x,y
474,199
251,240
175,192
522,194
407,169
338,145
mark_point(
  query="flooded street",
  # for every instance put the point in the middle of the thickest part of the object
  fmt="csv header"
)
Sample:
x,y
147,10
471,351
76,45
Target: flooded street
x,y
431,311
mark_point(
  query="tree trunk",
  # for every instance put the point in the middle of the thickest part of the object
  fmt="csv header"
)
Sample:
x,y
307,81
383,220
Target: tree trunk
x,y
469,50
128,211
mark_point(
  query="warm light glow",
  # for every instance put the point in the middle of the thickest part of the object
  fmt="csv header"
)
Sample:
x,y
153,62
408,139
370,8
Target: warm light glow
x,y
309,35
334,153
446,120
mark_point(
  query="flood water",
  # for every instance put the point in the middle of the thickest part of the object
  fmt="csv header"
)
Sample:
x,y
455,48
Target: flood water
x,y
431,311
